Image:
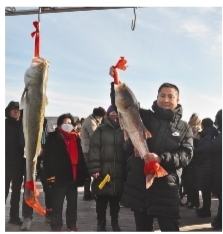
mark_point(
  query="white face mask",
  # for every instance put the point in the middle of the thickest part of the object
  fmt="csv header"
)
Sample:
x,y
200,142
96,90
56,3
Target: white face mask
x,y
67,127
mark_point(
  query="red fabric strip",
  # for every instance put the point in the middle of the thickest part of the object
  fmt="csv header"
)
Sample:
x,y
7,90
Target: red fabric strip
x,y
71,143
37,38
30,185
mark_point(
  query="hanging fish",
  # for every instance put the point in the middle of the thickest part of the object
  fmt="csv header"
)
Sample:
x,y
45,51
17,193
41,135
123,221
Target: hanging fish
x,y
33,103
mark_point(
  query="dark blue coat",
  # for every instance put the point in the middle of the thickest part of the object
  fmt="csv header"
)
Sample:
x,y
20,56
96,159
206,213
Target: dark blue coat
x,y
14,147
203,171
214,148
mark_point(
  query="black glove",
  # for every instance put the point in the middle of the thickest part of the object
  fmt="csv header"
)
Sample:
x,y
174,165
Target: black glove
x,y
112,96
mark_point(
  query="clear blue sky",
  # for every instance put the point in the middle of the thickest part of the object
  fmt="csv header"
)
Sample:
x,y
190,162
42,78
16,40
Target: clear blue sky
x,y
180,45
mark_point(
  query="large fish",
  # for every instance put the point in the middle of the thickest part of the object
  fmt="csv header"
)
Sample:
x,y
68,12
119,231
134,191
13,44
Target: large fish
x,y
130,121
33,103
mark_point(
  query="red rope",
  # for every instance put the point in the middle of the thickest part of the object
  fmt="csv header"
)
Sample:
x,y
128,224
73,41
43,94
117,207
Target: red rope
x,y
37,41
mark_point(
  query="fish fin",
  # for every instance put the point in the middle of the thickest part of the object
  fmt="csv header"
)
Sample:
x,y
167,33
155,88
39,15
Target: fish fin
x,y
22,102
147,133
120,120
161,172
31,197
126,135
149,180
36,155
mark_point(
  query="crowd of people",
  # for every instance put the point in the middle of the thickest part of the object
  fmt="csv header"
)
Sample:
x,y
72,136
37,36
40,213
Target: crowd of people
x,y
85,155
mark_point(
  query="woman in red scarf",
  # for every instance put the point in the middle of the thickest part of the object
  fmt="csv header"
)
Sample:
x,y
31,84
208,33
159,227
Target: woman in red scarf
x,y
65,168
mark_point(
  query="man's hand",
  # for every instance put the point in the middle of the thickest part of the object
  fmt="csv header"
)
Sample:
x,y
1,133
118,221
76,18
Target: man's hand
x,y
151,157
96,175
113,72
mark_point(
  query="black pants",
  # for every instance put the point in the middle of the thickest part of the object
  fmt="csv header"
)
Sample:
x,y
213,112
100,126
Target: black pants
x,y
46,188
144,222
102,203
87,184
59,193
206,195
193,196
16,178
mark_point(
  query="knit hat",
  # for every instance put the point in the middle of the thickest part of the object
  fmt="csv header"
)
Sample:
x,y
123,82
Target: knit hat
x,y
110,109
11,105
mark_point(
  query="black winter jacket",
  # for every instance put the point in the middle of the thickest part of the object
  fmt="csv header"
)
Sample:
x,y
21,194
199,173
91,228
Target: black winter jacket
x,y
172,140
214,148
106,156
203,173
56,160
14,147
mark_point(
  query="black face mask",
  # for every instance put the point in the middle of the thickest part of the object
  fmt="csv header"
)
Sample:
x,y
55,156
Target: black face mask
x,y
114,119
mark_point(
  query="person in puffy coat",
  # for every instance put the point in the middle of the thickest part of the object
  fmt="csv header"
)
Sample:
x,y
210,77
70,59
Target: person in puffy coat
x,y
14,160
106,157
215,148
188,174
203,177
88,127
171,145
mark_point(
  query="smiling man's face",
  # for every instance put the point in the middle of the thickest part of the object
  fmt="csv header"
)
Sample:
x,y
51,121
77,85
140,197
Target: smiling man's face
x,y
168,98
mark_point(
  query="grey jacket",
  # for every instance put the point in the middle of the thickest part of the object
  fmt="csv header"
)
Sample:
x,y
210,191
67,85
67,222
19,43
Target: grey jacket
x,y
88,127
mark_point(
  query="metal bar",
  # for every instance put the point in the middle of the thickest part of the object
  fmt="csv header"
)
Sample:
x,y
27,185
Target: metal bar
x,y
46,10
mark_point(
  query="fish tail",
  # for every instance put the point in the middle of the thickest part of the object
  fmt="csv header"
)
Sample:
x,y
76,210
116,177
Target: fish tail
x,y
161,172
31,197
149,180
153,167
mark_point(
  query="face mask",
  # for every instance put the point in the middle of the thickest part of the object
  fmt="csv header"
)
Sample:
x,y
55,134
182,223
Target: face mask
x,y
67,127
114,118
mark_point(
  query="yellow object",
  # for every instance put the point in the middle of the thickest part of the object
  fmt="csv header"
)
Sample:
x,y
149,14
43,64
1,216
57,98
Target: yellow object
x,y
104,181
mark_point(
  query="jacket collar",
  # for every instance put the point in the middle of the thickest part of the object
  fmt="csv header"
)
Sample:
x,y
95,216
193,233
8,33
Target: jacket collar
x,y
167,114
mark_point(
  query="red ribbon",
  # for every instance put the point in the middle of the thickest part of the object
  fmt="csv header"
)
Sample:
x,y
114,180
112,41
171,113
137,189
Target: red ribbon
x,y
30,185
36,33
121,64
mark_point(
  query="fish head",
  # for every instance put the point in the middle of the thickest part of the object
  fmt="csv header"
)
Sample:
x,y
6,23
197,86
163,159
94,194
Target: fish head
x,y
124,97
37,72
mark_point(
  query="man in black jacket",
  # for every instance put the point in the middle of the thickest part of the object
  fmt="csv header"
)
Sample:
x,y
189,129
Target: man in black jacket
x,y
171,145
14,160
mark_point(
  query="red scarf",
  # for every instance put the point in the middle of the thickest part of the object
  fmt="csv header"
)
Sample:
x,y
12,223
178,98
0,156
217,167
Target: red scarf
x,y
71,143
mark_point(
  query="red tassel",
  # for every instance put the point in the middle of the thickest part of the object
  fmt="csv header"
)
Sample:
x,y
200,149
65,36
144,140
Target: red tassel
x,y
37,41
120,65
